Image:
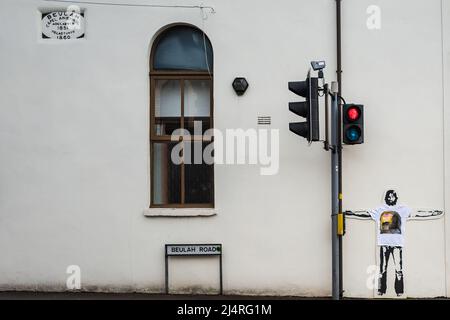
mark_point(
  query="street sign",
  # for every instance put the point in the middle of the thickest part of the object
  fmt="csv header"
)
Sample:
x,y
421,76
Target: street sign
x,y
193,249
187,250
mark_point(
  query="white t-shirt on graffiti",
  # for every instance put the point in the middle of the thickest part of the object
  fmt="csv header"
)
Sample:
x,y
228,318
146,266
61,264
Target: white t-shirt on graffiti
x,y
391,222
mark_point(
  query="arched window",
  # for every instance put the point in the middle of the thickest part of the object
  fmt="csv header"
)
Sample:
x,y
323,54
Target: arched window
x,y
181,102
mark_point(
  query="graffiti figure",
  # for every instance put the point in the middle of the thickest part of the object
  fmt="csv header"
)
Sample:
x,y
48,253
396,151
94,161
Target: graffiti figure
x,y
391,218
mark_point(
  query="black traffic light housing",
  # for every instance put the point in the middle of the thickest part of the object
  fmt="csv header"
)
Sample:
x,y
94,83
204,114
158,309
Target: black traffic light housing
x,y
353,123
309,109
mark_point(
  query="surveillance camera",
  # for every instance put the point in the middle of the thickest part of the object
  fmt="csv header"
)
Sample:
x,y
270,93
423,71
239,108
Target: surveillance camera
x,y
317,65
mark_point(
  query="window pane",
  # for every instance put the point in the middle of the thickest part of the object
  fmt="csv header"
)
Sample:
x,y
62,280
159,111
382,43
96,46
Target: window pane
x,y
183,48
198,180
167,106
197,104
166,175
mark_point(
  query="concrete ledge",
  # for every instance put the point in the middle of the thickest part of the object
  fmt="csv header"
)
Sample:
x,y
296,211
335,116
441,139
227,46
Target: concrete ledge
x,y
180,212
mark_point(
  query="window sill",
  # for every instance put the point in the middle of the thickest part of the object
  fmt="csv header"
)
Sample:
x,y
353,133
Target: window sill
x,y
180,212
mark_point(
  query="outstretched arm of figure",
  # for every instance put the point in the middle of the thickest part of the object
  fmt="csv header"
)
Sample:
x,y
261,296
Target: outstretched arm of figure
x,y
358,214
424,214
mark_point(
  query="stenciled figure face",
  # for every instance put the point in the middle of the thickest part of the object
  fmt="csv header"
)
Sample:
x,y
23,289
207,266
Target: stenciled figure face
x,y
391,198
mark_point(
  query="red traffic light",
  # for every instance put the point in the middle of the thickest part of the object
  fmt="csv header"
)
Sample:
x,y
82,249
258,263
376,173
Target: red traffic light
x,y
353,113
353,123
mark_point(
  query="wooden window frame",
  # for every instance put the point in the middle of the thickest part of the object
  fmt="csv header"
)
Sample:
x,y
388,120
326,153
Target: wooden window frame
x,y
180,75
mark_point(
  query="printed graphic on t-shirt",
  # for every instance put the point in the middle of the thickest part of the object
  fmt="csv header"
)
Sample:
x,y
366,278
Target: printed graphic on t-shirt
x,y
390,222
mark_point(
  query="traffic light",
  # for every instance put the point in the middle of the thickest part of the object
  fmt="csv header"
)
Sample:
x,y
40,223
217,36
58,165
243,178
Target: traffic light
x,y
309,109
353,123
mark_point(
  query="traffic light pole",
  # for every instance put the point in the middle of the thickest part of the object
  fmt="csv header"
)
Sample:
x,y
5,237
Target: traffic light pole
x,y
309,129
339,80
335,261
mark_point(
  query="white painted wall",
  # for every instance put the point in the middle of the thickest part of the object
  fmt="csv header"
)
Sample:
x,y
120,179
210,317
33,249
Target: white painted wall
x,y
397,72
446,107
75,154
